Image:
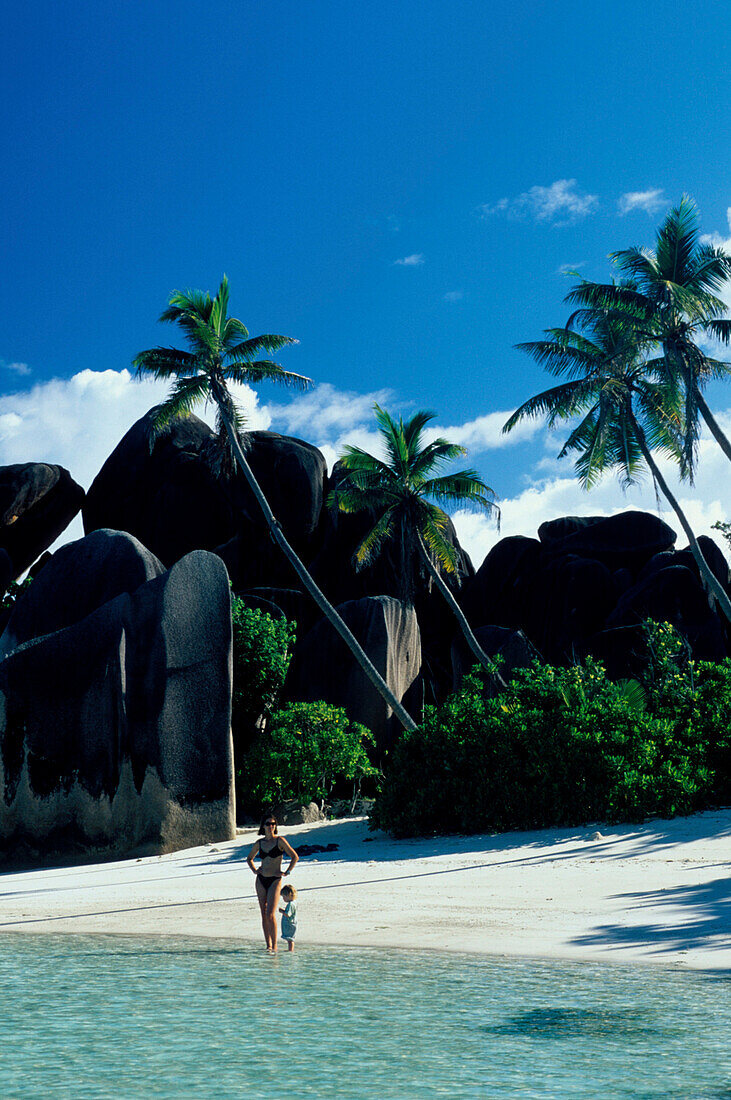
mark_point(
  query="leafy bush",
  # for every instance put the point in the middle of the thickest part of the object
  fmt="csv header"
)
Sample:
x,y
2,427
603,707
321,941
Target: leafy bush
x,y
564,746
262,650
306,748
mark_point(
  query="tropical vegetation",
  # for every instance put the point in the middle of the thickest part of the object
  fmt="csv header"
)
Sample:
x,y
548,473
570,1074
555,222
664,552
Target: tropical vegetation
x,y
399,493
629,407
306,749
667,298
566,746
222,352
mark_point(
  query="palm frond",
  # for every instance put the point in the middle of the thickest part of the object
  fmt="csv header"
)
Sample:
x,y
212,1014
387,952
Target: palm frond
x,y
442,551
352,498
720,329
432,457
245,350
676,242
465,487
558,403
165,363
180,402
392,434
413,428
374,542
264,370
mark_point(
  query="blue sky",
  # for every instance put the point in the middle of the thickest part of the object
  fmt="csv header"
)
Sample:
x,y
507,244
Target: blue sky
x,y
399,186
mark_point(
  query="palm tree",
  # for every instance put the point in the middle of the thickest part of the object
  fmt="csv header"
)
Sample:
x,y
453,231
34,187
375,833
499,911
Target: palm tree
x,y
222,352
669,296
396,491
625,415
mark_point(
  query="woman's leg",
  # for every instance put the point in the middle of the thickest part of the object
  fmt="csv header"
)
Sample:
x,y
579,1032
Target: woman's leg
x,y
272,904
261,894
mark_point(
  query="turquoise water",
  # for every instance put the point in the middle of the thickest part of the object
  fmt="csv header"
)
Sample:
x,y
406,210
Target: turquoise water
x,y
113,1016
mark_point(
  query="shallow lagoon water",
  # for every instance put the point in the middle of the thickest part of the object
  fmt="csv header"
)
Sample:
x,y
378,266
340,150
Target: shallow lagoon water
x,y
102,1016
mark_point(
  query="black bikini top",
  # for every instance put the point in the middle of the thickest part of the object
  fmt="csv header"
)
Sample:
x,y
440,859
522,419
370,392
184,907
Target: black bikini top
x,y
273,853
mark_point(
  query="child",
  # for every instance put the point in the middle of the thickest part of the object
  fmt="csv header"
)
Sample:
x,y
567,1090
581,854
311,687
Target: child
x,y
289,915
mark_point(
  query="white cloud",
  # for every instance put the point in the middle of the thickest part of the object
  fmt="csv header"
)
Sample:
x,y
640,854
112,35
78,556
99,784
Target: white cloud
x,y
416,259
332,418
547,203
485,433
548,497
324,413
650,201
16,368
454,296
77,422
569,269
717,239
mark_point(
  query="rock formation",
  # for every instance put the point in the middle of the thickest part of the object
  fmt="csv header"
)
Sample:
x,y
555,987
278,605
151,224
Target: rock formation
x,y
323,668
587,583
171,498
37,503
115,719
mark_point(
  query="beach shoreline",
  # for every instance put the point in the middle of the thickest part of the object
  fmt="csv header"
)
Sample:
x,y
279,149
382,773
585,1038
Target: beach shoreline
x,y
656,893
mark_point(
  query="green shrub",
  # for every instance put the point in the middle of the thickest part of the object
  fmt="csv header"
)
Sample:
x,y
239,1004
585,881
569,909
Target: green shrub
x,y
305,749
262,650
564,746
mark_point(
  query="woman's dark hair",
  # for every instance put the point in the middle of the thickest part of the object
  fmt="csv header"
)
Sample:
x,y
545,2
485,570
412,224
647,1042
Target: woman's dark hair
x,y
268,817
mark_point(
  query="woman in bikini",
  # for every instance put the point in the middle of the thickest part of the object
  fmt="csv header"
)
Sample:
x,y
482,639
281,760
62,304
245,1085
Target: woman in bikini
x,y
269,875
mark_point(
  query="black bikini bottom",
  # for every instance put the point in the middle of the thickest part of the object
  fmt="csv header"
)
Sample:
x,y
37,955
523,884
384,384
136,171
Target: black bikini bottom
x,y
267,880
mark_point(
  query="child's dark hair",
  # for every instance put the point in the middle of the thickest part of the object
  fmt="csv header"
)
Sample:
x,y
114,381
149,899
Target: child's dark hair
x,y
289,890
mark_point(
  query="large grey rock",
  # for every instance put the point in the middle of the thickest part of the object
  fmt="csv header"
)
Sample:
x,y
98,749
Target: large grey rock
x,y
673,595
168,497
511,646
294,813
323,667
500,591
115,730
79,578
37,503
627,539
173,499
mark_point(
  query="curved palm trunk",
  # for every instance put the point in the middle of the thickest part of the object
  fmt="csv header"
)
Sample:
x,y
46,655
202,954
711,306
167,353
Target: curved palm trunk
x,y
456,610
713,425
320,599
710,582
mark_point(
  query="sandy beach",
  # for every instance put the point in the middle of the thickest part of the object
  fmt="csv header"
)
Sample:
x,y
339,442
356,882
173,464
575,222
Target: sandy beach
x,y
653,893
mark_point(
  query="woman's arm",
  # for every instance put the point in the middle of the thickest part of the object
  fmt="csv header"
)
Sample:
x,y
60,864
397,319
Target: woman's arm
x,y
289,850
252,853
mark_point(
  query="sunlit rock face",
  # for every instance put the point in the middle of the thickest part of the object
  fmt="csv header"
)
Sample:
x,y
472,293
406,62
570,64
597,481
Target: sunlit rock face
x,y
115,727
324,668
37,502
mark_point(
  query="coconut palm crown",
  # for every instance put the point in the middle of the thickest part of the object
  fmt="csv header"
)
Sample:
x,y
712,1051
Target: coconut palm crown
x,y
669,298
624,415
396,490
221,352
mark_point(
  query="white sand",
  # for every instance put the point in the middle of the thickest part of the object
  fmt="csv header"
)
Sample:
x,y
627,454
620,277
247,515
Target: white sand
x,y
659,892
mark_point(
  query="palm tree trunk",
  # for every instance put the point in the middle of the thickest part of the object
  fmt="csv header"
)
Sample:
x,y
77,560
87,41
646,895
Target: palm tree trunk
x,y
456,610
713,425
309,584
710,582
